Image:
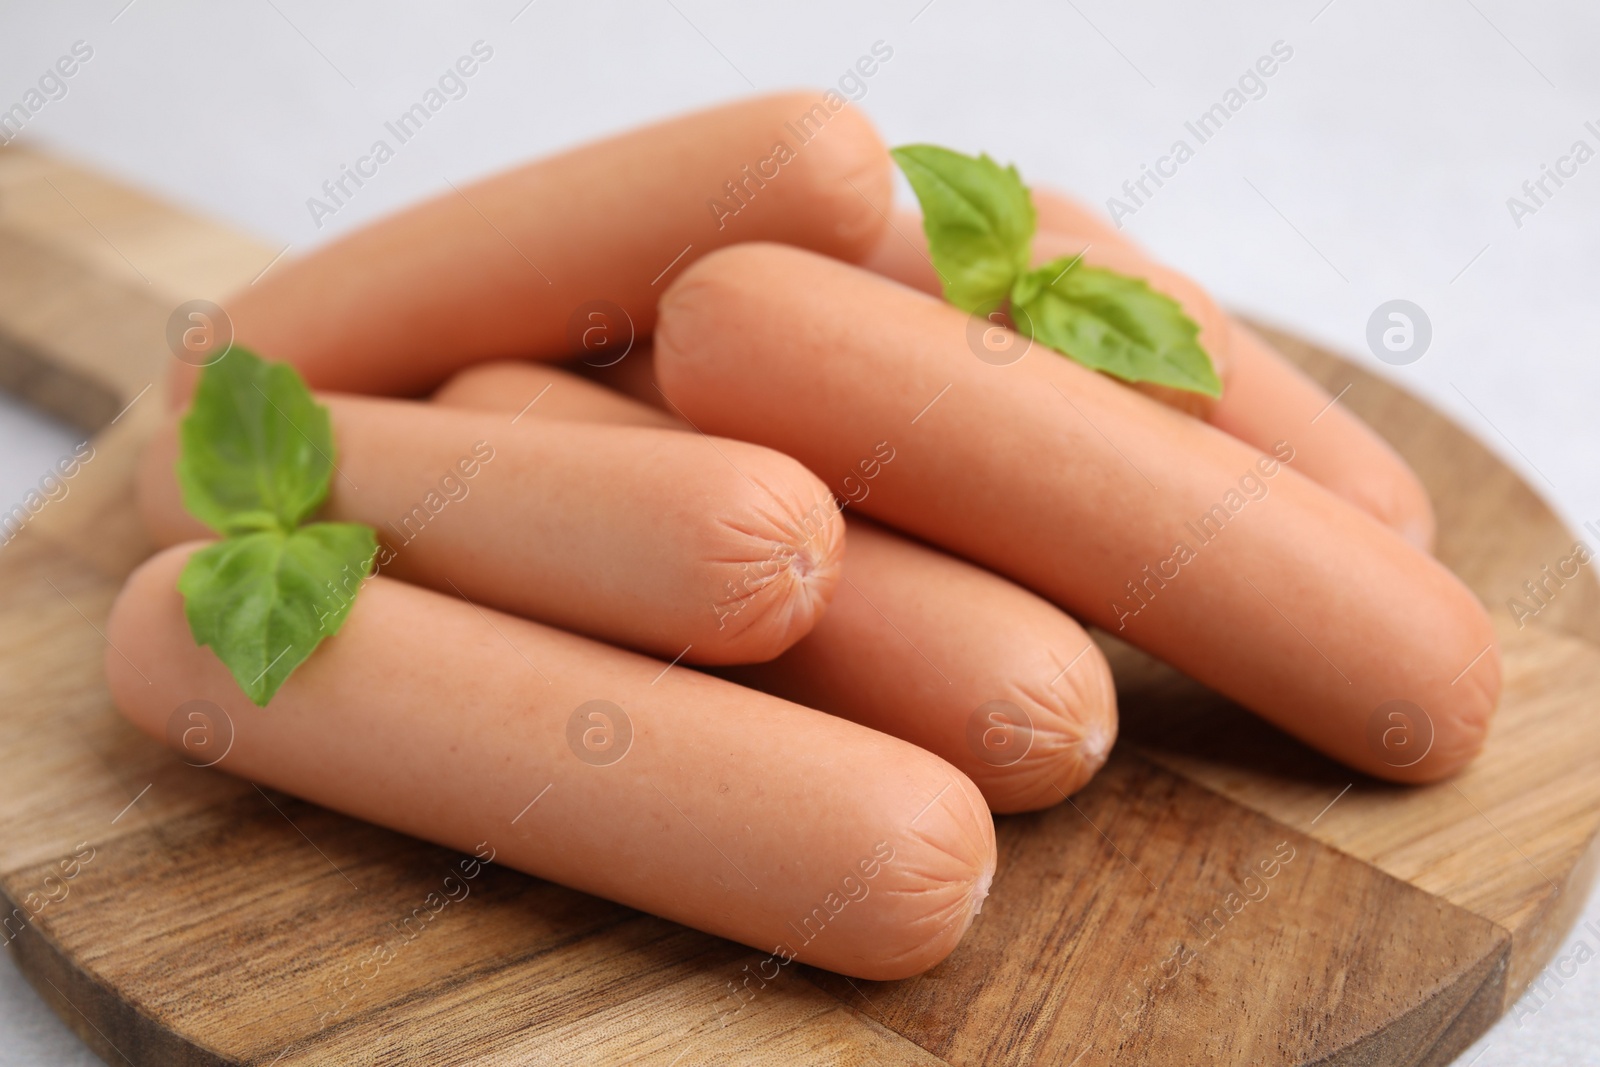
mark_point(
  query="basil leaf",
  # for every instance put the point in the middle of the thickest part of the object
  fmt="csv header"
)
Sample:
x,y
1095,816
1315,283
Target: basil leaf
x,y
979,220
257,449
1113,323
256,461
263,601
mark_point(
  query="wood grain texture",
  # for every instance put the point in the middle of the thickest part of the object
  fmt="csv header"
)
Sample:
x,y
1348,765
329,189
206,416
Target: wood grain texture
x,y
90,271
219,923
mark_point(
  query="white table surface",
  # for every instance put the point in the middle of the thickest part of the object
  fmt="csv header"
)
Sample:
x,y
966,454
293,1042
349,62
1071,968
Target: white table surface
x,y
1377,165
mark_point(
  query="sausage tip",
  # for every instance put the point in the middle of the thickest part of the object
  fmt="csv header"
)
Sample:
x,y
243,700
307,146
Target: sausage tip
x,y
783,556
1418,531
980,893
1094,748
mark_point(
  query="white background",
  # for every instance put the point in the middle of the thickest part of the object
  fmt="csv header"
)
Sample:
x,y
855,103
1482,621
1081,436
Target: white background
x,y
1377,165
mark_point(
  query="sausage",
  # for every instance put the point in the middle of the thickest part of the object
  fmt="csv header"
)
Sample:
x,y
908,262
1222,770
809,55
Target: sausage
x,y
737,813
670,543
542,391
1264,398
916,643
521,263
1158,527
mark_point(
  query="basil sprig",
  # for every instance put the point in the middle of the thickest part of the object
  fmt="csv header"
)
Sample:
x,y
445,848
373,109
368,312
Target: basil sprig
x,y
256,461
979,219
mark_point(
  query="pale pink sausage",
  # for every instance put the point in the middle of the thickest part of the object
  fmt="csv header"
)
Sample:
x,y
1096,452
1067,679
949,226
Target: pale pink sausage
x,y
730,811
1178,537
541,391
671,543
915,643
519,264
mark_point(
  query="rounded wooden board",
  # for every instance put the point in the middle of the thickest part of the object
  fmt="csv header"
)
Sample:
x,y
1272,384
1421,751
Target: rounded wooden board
x,y
173,915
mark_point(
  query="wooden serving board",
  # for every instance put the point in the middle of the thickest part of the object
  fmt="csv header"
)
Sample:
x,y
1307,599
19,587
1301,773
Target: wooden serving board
x,y
212,922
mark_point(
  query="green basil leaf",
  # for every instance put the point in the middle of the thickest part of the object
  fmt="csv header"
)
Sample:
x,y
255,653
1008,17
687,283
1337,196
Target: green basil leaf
x,y
979,220
257,449
263,601
1113,323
